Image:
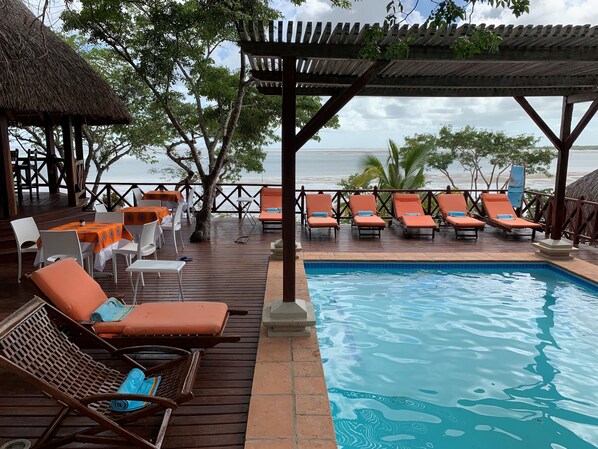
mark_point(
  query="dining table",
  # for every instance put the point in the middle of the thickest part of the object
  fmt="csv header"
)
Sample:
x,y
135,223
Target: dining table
x,y
137,216
170,198
102,238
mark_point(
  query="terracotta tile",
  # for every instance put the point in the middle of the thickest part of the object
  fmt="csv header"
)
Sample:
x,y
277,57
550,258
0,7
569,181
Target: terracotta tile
x,y
270,444
310,385
270,416
312,404
315,427
274,350
306,355
317,444
272,378
310,342
308,369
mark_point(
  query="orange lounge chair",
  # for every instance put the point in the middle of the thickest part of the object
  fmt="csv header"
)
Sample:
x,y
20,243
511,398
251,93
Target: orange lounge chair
x,y
409,213
270,208
319,212
365,215
193,324
501,214
454,212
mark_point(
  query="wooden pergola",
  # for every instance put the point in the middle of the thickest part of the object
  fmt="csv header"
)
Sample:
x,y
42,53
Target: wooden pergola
x,y
45,83
291,59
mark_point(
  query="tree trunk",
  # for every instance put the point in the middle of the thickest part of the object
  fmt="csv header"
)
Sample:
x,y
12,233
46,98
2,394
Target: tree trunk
x,y
203,217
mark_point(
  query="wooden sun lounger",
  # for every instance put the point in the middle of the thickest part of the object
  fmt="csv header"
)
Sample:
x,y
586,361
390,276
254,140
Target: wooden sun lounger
x,y
319,203
497,204
367,226
409,215
40,344
464,226
270,198
190,324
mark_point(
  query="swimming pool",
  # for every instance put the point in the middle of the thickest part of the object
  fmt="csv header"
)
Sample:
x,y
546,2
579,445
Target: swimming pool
x,y
458,356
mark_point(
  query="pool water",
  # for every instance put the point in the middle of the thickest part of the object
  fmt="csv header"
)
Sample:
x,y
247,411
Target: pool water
x,y
466,358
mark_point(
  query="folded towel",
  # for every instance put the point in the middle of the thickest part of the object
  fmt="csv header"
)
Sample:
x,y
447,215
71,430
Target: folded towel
x,y
365,213
505,216
111,310
455,213
319,214
273,210
135,383
411,214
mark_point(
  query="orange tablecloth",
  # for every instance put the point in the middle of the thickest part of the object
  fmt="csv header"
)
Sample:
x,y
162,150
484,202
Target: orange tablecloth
x,y
100,235
173,196
141,215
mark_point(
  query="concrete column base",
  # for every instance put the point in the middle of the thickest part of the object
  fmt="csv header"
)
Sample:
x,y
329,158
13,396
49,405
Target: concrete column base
x,y
276,249
288,319
555,249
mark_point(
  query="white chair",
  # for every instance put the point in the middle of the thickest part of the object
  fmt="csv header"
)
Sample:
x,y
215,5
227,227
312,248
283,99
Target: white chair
x,y
26,235
156,203
109,217
145,247
58,245
174,226
188,206
137,195
100,207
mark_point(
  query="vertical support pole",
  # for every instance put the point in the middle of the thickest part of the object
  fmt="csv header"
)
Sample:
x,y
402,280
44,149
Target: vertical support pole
x,y
50,155
79,157
558,210
69,160
7,187
289,100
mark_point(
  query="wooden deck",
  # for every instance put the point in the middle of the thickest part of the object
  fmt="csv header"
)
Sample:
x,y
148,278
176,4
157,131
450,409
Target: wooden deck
x,y
222,271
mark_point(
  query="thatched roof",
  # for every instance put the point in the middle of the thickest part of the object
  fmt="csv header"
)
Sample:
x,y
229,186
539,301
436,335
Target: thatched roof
x,y
586,187
39,73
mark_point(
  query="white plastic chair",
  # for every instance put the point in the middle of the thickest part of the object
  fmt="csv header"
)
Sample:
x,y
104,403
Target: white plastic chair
x,y
137,195
188,207
100,207
109,217
156,203
145,247
58,245
174,226
26,235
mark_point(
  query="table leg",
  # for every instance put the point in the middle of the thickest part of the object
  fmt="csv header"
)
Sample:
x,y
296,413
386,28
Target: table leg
x,y
181,297
135,288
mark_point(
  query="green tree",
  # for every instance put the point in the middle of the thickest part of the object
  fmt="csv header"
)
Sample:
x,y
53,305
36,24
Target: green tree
x,y
220,121
404,168
487,156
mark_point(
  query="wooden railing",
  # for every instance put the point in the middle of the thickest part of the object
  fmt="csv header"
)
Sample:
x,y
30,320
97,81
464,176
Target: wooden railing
x,y
581,220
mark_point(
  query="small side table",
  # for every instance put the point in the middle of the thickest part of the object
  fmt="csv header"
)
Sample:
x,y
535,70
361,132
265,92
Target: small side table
x,y
245,203
157,266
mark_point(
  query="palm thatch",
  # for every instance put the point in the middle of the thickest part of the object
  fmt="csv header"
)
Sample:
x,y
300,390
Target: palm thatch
x,y
39,73
586,187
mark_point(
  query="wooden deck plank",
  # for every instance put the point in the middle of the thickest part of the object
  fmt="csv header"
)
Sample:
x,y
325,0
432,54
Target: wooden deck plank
x,y
220,271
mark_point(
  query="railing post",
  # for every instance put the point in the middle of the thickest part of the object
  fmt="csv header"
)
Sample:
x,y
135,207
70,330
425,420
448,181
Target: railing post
x,y
338,206
448,189
578,221
376,197
239,208
302,204
109,196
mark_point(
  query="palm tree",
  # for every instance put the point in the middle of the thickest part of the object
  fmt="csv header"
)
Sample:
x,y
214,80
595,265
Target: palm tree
x,y
404,167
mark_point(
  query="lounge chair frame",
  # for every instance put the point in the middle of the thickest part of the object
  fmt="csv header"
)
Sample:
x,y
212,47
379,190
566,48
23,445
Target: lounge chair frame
x,y
408,232
185,341
308,228
39,344
460,231
367,231
509,230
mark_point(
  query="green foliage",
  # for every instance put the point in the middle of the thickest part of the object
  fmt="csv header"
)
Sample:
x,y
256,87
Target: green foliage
x,y
486,155
478,42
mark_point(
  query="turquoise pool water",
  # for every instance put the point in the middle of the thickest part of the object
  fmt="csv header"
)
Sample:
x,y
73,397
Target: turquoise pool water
x,y
437,356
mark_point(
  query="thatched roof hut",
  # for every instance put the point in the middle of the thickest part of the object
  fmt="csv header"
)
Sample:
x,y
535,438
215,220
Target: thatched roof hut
x,y
586,187
39,73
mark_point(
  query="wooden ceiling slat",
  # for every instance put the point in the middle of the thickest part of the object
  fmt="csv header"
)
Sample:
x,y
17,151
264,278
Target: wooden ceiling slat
x,y
280,30
335,36
289,32
317,33
307,34
298,32
326,33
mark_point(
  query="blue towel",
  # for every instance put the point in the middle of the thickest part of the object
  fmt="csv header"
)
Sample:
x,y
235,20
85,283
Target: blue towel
x,y
411,214
320,214
135,383
505,216
365,213
273,210
516,185
111,310
454,213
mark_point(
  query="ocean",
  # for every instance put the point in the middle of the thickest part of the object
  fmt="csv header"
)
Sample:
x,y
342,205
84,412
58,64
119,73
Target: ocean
x,y
324,168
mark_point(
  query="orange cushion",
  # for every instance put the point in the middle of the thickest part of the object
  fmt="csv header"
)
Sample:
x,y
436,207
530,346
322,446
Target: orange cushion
x,y
465,222
270,197
362,203
369,222
70,288
451,202
322,222
169,318
318,202
407,203
497,203
418,221
270,216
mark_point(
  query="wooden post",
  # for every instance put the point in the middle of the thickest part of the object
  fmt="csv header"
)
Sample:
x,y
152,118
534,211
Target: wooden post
x,y
80,158
7,187
558,210
289,101
578,221
50,155
69,160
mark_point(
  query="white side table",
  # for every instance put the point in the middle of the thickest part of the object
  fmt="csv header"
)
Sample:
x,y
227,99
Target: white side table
x,y
157,266
245,203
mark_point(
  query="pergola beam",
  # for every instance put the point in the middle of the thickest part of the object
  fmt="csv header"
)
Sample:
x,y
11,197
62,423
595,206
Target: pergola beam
x,y
539,122
7,191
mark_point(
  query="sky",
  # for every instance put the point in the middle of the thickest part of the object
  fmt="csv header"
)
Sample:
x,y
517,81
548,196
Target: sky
x,y
368,122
